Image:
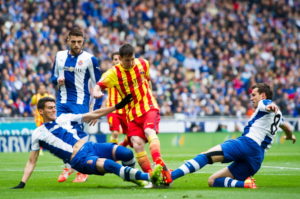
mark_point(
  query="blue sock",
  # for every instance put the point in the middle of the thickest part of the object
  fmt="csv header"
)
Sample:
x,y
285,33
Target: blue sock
x,y
125,155
227,182
190,166
127,173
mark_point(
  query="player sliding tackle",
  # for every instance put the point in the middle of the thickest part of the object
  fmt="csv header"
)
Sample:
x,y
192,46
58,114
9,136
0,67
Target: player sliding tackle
x,y
247,151
85,157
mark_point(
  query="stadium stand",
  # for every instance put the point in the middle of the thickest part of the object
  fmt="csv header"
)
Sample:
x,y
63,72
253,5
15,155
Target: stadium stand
x,y
204,54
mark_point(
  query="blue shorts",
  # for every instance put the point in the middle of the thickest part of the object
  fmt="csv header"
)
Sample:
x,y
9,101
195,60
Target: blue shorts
x,y
86,158
246,154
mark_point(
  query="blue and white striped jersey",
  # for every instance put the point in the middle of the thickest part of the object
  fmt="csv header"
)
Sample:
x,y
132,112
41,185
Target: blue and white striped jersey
x,y
57,136
263,125
77,71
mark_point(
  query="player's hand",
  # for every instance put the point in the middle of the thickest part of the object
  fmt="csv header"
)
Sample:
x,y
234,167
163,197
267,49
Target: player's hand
x,y
124,101
93,122
61,81
21,185
293,138
272,108
97,93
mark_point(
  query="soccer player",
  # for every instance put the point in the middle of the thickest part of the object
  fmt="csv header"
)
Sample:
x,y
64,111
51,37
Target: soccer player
x,y
117,119
247,151
41,92
131,76
86,157
71,73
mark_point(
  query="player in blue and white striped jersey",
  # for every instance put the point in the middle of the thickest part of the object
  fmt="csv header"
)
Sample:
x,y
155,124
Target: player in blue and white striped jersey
x,y
86,157
72,72
247,151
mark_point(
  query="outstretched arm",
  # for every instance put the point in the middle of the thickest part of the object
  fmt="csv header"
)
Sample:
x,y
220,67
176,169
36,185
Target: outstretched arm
x,y
286,127
87,117
30,165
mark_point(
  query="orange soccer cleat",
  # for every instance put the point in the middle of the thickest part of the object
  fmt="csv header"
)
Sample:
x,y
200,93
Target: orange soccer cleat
x,y
165,172
250,183
80,177
64,175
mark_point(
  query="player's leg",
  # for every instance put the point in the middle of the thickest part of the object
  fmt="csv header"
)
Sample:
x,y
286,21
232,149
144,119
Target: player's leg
x,y
138,145
225,178
214,154
114,127
124,154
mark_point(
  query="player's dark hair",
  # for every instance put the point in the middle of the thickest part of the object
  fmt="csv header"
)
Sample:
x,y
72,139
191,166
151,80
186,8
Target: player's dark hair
x,y
126,50
75,31
113,54
43,101
264,88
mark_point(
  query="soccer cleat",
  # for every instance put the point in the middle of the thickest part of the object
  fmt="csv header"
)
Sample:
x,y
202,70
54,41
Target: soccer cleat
x,y
64,175
156,175
250,183
140,183
167,178
80,177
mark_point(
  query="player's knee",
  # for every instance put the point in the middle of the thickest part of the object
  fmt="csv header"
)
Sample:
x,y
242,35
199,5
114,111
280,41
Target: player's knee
x,y
211,156
124,154
211,181
137,143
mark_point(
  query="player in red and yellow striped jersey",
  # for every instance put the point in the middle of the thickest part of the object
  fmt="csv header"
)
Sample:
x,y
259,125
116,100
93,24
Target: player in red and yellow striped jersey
x,y
117,119
131,76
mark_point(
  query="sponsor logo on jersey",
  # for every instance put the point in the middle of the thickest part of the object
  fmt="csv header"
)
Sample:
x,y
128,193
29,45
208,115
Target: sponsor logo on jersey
x,y
80,62
72,69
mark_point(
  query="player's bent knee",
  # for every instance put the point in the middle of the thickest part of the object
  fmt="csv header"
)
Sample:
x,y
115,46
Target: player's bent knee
x,y
100,165
212,154
211,181
123,153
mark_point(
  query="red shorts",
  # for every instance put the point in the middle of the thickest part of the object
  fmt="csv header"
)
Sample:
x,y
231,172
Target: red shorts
x,y
138,125
117,122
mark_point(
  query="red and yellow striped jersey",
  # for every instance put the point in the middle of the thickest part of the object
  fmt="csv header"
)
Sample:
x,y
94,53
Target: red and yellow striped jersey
x,y
136,81
114,98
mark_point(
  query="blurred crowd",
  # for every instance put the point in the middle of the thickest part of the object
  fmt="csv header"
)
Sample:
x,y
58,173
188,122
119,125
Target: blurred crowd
x,y
205,54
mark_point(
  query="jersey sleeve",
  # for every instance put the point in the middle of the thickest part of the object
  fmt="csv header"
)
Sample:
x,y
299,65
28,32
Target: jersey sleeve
x,y
35,146
95,72
262,104
54,72
108,79
69,117
147,70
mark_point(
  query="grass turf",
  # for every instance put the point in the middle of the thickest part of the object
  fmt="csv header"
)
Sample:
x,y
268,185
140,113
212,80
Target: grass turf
x,y
279,176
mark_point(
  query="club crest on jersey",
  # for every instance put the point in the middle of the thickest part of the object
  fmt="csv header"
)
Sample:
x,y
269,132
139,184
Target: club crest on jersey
x,y
80,62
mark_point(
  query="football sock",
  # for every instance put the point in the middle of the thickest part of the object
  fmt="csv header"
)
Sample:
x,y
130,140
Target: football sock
x,y
127,173
113,140
144,161
190,166
125,155
154,146
124,142
228,182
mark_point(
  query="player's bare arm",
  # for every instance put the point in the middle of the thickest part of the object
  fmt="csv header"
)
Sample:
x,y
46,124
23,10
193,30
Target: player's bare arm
x,y
286,127
29,168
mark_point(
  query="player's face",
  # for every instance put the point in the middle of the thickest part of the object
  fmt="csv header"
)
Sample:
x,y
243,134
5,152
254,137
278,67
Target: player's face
x,y
127,61
116,59
76,44
49,112
256,97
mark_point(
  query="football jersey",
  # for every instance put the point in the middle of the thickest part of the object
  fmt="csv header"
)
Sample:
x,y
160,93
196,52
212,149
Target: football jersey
x,y
77,71
57,136
263,125
135,81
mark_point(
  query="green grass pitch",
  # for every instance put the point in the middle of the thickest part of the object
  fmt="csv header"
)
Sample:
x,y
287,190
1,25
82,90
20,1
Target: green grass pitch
x,y
279,176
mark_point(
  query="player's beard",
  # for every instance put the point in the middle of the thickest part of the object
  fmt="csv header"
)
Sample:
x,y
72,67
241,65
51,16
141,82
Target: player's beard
x,y
76,51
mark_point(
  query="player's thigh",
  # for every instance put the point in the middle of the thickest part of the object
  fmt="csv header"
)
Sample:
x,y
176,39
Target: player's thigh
x,y
241,170
151,120
104,150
